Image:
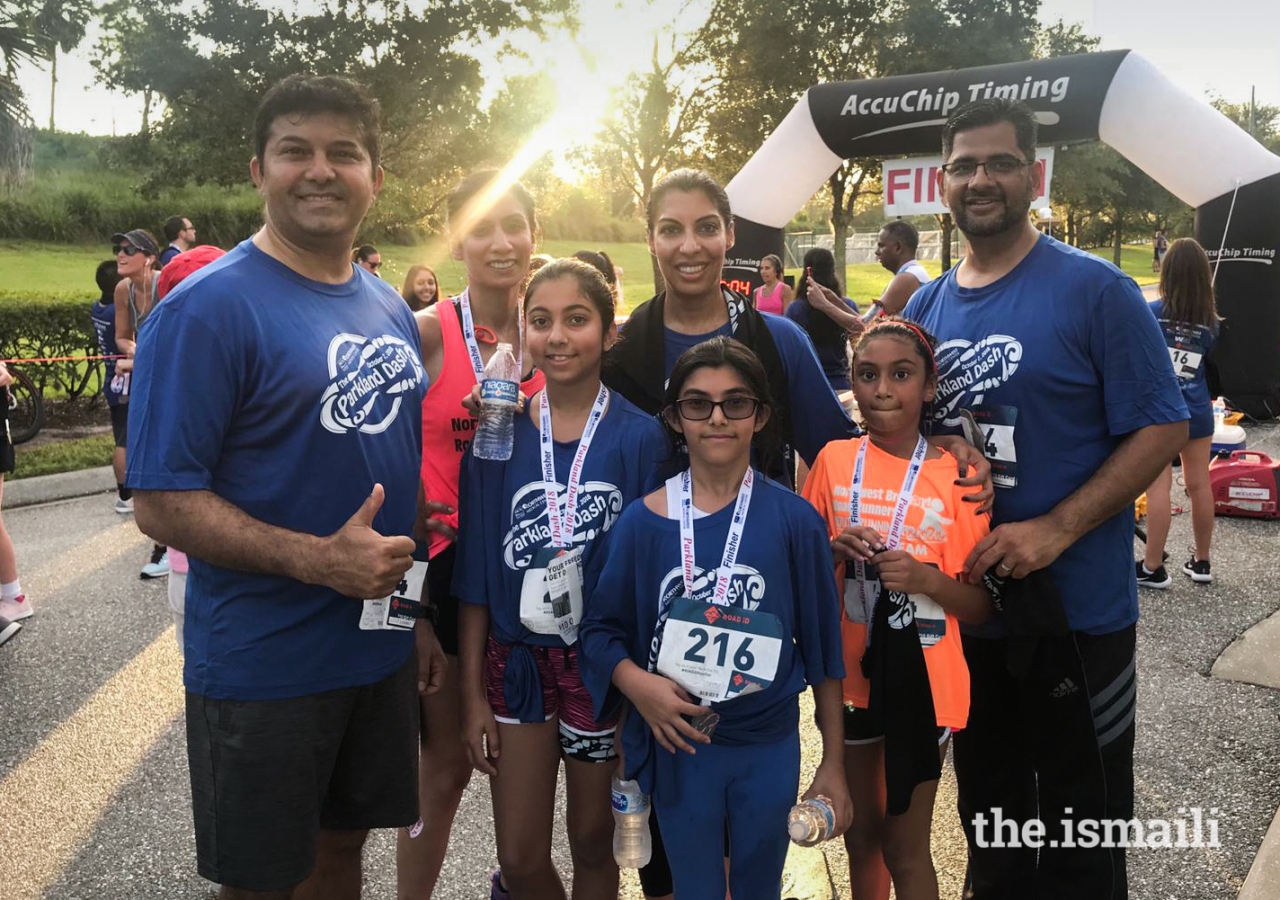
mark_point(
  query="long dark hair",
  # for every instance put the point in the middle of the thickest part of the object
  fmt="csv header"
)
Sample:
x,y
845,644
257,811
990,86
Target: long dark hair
x,y
726,353
821,327
1186,285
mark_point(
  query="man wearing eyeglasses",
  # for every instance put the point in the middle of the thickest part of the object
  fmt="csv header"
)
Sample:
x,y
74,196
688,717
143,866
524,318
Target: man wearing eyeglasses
x,y
368,258
180,234
1056,357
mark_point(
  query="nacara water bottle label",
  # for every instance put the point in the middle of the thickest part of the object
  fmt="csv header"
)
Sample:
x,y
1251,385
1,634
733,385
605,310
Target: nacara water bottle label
x,y
497,390
630,803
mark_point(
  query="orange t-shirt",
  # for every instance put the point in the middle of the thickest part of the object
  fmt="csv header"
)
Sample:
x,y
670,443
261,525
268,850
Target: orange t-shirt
x,y
940,530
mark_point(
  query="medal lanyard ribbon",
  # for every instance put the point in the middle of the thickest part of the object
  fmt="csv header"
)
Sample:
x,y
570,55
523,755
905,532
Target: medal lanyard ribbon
x,y
899,519
731,545
562,523
473,348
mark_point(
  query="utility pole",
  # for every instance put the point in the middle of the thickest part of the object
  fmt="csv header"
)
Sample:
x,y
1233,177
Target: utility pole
x,y
1253,111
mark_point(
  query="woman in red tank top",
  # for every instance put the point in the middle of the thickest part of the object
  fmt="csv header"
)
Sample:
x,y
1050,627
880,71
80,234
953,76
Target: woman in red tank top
x,y
493,239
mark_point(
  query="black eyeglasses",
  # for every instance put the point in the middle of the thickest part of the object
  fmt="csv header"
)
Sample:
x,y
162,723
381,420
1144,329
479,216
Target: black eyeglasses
x,y
994,168
126,249
374,266
699,409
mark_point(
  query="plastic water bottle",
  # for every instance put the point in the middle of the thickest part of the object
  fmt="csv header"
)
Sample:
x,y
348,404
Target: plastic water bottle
x,y
811,822
632,844
1219,413
499,393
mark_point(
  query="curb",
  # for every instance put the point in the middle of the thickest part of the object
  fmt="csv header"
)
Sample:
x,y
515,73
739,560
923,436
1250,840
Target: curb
x,y
1263,880
62,486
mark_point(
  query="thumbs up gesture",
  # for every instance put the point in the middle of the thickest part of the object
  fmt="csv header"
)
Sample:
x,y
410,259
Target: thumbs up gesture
x,y
361,563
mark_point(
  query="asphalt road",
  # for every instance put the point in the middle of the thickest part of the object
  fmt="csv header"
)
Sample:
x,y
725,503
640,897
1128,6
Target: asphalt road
x,y
94,800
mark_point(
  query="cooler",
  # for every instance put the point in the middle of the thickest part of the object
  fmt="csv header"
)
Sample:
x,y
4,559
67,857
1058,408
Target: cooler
x,y
1227,439
1245,483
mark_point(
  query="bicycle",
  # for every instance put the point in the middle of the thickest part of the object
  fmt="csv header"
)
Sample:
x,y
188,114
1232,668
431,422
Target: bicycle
x,y
26,407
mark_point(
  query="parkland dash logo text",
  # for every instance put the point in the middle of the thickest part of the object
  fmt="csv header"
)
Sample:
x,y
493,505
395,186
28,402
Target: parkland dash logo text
x,y
366,381
599,505
966,371
746,587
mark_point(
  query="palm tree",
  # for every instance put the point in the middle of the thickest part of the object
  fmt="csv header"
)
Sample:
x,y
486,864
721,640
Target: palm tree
x,y
17,44
60,25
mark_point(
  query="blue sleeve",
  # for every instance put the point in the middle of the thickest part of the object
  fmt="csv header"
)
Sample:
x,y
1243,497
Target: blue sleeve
x,y
479,489
817,611
1129,350
186,385
609,619
817,418
657,458
795,312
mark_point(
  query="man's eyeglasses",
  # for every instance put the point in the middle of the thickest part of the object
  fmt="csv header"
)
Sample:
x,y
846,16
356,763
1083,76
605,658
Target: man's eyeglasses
x,y
126,249
995,168
699,409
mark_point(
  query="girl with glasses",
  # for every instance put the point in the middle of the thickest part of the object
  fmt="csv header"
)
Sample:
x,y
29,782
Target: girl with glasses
x,y
712,610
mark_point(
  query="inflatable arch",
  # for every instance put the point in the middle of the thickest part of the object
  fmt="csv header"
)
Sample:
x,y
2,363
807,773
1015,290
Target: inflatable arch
x,y
1118,97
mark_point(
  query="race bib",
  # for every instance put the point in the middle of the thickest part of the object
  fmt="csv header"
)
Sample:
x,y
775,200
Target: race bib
x,y
717,653
931,620
998,425
564,587
1186,363
397,611
536,612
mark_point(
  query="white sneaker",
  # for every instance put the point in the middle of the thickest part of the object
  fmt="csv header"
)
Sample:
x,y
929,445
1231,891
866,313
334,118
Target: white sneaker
x,y
17,608
158,567
124,507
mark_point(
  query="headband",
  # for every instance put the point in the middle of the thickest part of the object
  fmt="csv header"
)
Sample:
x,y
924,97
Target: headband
x,y
916,330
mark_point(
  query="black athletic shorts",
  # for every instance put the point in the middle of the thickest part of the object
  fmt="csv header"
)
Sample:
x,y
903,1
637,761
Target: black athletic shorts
x,y
440,593
6,445
120,424
268,775
858,730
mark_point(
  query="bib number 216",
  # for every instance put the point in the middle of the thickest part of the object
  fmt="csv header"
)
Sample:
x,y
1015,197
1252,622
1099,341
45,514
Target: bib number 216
x,y
716,652
742,657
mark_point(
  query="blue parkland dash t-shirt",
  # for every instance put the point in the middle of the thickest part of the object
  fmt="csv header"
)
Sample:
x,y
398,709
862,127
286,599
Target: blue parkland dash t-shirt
x,y
1190,347
504,535
289,399
783,568
1058,361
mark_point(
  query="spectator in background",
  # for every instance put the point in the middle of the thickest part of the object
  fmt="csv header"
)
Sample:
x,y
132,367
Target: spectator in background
x,y
774,295
180,234
604,264
421,287
136,256
183,265
1159,245
115,387
368,258
896,250
14,605
830,337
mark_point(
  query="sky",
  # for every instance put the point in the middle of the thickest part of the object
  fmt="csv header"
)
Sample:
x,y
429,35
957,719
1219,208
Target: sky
x,y
1224,47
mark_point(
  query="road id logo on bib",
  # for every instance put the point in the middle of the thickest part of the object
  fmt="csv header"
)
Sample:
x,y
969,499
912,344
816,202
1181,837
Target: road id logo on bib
x,y
718,652
366,380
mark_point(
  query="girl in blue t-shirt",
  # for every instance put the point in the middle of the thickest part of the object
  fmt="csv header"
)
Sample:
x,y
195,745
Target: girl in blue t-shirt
x,y
713,609
1189,320
530,526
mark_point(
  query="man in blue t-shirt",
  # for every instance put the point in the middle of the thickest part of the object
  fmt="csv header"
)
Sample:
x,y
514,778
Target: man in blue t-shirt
x,y
275,435
1054,354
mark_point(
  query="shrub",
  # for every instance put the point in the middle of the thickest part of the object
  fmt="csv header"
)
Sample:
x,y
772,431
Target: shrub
x,y
50,326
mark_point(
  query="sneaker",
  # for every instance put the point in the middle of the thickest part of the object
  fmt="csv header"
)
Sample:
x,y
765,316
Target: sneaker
x,y
124,507
496,890
1157,579
1198,570
159,565
17,608
8,629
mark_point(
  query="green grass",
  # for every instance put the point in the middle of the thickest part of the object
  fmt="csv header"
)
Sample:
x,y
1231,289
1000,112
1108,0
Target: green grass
x,y
37,267
63,456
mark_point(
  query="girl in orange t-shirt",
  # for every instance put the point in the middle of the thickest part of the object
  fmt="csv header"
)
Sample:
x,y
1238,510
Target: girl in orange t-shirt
x,y
917,546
